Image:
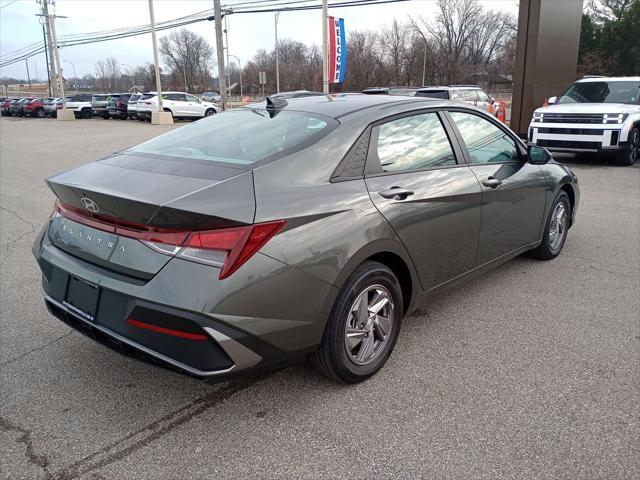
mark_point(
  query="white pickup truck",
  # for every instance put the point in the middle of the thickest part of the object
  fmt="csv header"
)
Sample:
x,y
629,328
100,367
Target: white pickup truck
x,y
595,114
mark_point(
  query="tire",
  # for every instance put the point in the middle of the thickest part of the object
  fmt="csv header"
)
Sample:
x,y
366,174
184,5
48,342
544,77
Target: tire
x,y
40,113
140,119
209,112
106,117
333,357
551,246
631,152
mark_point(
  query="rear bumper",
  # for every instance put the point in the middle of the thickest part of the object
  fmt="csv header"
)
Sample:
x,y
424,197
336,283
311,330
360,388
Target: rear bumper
x,y
232,326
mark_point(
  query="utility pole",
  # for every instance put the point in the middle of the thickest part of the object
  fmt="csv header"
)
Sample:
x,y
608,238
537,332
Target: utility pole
x,y
217,11
160,117
26,62
325,47
46,57
49,42
277,60
62,114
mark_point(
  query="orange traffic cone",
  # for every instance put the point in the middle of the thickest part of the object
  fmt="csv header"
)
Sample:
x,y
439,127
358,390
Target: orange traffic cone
x,y
546,102
245,100
502,110
490,107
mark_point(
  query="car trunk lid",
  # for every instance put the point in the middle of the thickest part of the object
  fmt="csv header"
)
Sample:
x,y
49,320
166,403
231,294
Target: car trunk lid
x,y
148,194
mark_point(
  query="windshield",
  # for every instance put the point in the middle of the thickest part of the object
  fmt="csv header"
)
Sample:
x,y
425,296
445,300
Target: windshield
x,y
240,137
602,92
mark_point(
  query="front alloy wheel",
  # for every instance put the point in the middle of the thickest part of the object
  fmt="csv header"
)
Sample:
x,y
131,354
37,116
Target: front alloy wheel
x,y
556,228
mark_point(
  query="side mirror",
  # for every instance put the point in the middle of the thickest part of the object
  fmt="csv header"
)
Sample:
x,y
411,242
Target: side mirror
x,y
552,100
538,155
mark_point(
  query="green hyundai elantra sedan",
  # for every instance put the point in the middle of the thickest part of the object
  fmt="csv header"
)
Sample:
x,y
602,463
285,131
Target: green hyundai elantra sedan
x,y
292,228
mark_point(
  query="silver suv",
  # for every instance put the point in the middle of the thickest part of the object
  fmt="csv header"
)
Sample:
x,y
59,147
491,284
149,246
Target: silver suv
x,y
471,94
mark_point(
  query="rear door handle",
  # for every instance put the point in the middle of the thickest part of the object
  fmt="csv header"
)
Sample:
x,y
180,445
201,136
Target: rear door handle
x,y
492,182
397,193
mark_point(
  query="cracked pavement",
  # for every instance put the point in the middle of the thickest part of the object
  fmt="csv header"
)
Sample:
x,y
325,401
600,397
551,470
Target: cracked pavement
x,y
531,371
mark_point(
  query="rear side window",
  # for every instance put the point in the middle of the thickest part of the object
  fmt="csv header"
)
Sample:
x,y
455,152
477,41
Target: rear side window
x,y
444,94
486,142
147,96
414,143
240,137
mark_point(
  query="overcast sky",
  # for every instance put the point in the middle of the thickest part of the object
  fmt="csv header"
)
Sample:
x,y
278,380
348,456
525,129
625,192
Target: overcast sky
x,y
19,27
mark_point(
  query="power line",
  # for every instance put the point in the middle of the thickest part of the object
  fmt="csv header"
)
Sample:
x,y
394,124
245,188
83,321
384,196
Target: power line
x,y
103,36
7,4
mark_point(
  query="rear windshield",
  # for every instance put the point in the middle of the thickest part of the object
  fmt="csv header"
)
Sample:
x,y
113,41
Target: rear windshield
x,y
240,137
433,94
602,92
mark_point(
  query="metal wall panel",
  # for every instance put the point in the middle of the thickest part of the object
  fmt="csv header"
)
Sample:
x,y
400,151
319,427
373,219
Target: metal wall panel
x,y
546,55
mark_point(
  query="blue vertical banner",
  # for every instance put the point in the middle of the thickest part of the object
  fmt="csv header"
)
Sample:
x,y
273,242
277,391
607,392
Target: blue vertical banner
x,y
337,50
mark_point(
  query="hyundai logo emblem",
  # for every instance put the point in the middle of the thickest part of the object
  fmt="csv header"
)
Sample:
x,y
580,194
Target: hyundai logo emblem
x,y
89,205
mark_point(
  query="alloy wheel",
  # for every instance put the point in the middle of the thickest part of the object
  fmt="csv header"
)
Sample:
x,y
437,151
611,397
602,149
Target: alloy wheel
x,y
558,227
369,324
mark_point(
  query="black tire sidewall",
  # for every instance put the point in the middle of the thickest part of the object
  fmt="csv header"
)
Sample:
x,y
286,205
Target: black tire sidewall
x,y
625,157
370,273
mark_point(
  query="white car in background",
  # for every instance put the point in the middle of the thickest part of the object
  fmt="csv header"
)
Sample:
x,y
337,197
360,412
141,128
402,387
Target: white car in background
x,y
595,114
180,104
80,105
471,94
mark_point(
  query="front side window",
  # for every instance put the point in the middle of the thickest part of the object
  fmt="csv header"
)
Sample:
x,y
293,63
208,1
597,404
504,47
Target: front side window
x,y
414,143
602,92
240,137
191,98
486,142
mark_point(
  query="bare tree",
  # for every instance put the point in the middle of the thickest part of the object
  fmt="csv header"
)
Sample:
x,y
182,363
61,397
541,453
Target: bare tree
x,y
187,54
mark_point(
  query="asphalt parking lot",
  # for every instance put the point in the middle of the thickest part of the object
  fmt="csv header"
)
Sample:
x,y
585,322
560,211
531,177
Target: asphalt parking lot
x,y
532,371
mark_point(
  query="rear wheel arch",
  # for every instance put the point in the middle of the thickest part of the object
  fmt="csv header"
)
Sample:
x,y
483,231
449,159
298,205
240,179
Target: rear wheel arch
x,y
391,254
401,270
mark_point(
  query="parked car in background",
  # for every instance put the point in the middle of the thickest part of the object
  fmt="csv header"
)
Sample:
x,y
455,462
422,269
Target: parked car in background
x,y
17,108
291,228
132,105
595,114
52,106
100,103
180,104
296,94
35,108
6,104
211,97
402,91
471,94
118,105
80,105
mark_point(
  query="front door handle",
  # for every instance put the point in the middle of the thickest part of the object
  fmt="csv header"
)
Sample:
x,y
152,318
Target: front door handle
x,y
492,182
397,193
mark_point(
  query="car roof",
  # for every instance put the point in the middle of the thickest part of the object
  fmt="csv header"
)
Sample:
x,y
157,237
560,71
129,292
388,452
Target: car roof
x,y
449,87
596,78
340,105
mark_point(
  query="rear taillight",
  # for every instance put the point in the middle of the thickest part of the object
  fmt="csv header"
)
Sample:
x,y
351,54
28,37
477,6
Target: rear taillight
x,y
226,248
119,104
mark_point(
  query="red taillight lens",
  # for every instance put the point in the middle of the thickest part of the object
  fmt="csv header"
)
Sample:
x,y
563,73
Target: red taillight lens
x,y
236,244
227,248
